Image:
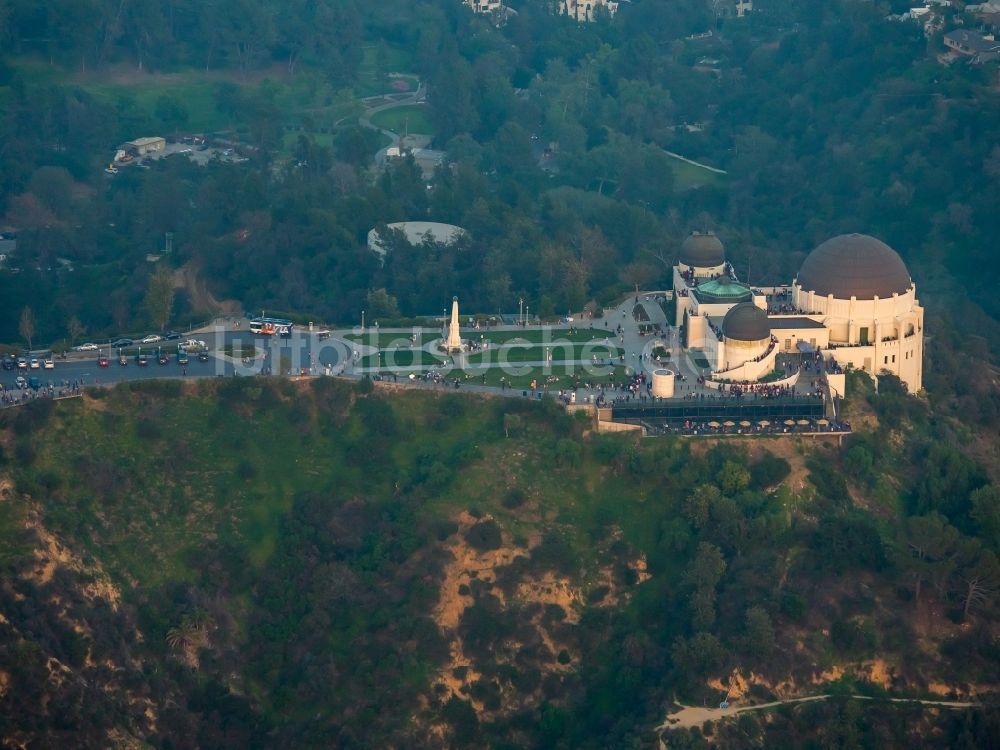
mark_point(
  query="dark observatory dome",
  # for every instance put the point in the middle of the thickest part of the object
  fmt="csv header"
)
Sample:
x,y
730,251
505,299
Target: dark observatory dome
x,y
702,250
854,265
746,322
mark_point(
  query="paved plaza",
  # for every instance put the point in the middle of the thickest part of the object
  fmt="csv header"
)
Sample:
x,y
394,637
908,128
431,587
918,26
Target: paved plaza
x,y
606,360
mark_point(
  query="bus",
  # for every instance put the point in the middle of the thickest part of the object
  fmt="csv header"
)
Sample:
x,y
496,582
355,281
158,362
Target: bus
x,y
271,326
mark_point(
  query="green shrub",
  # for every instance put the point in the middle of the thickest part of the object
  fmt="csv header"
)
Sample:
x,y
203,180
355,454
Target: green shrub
x,y
484,536
514,498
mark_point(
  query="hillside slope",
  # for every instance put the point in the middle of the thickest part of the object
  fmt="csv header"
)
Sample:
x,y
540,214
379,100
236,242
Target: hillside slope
x,y
253,563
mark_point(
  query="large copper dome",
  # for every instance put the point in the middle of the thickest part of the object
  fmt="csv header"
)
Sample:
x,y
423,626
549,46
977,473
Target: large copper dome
x,y
702,250
854,265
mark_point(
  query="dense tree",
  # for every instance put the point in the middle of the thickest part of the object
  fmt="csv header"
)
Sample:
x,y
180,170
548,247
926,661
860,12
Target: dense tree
x,y
160,296
26,326
927,549
704,574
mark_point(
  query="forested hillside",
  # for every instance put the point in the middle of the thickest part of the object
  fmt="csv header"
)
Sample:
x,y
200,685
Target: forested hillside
x,y
824,119
256,563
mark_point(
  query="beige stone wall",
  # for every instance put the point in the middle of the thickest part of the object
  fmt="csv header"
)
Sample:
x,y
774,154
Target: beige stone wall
x,y
789,337
740,352
873,335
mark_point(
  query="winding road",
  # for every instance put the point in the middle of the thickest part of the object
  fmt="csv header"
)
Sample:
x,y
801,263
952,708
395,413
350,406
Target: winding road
x,y
398,100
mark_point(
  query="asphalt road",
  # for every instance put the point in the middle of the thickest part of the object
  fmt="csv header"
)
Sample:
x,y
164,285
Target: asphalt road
x,y
277,356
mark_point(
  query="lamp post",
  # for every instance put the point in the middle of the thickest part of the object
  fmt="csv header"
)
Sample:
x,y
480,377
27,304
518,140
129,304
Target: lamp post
x,y
362,320
520,310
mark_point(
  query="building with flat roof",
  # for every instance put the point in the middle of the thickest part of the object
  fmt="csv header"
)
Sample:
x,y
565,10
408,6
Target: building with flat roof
x,y
143,146
484,6
973,45
587,10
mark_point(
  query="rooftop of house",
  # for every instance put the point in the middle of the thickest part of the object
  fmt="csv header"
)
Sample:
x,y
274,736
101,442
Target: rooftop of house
x,y
973,40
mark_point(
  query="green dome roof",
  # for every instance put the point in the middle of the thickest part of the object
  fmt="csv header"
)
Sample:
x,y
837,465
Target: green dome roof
x,y
722,290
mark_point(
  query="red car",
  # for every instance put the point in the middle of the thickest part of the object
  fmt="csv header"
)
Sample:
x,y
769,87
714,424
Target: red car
x,y
102,361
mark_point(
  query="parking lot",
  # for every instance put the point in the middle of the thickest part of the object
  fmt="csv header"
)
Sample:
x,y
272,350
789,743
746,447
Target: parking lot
x,y
199,154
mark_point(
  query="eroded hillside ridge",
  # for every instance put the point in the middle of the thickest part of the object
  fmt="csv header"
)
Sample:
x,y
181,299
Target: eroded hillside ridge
x,y
260,563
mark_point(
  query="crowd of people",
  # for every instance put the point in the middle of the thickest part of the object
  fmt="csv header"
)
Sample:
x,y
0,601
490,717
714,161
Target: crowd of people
x,y
758,390
781,304
697,427
817,364
17,397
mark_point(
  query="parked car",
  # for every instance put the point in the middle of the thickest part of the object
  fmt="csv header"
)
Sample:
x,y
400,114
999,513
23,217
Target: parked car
x,y
122,362
203,356
49,364
9,363
151,339
323,335
22,363
163,359
34,383
182,358
35,364
102,361
88,347
118,344
142,359
20,382
171,335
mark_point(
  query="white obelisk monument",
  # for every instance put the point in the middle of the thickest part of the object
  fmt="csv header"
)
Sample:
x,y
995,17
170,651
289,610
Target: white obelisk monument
x,y
454,337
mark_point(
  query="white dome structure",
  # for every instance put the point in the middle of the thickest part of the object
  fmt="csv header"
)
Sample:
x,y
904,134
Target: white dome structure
x,y
415,232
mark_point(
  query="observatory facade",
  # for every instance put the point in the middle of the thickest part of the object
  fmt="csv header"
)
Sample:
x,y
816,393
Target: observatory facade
x,y
852,302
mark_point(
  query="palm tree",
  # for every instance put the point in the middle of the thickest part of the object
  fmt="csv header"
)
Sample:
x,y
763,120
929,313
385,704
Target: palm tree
x,y
192,632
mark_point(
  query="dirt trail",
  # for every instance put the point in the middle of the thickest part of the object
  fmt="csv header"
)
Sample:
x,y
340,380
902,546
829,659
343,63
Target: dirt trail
x,y
695,716
186,277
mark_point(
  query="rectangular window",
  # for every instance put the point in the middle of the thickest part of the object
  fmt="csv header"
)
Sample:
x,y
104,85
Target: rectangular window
x,y
886,360
788,345
863,336
894,359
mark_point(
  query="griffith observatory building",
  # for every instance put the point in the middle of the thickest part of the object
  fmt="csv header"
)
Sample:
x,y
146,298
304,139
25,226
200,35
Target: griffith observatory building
x,y
853,303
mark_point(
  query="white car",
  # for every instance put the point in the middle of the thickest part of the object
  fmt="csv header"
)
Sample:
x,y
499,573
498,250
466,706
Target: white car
x,y
151,339
34,364
49,365
85,348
